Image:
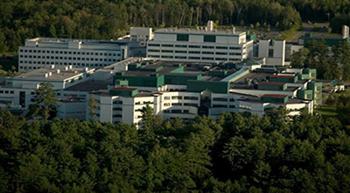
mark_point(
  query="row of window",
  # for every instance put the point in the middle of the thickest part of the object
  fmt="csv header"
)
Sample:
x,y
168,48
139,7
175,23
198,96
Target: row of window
x,y
186,37
144,103
194,52
68,52
193,58
70,58
62,63
195,46
223,99
180,98
180,104
118,102
177,111
7,92
224,106
59,63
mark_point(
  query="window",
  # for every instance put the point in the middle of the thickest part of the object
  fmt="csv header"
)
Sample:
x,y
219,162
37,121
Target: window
x,y
208,47
180,57
153,50
220,99
192,46
154,56
219,106
167,57
153,44
176,111
271,53
167,45
190,104
181,46
182,37
194,52
190,98
176,97
117,109
235,48
209,38
207,52
221,47
180,51
167,51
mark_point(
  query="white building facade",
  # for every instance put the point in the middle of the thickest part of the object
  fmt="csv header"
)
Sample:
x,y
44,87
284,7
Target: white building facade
x,y
274,52
202,45
43,52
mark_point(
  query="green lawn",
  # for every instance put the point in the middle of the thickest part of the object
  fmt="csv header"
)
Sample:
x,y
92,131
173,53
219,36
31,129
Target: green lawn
x,y
327,110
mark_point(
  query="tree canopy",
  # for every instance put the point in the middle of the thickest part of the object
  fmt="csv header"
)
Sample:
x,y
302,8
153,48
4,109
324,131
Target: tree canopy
x,y
236,153
21,19
331,63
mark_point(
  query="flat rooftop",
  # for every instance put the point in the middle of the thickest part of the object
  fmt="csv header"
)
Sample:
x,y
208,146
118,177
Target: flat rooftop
x,y
50,74
208,72
66,40
200,31
90,85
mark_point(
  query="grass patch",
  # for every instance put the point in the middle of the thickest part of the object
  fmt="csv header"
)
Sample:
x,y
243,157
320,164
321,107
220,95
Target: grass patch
x,y
327,110
289,34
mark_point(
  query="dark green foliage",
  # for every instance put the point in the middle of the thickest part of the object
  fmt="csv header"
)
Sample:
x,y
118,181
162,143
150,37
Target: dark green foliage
x,y
44,102
108,19
237,153
331,63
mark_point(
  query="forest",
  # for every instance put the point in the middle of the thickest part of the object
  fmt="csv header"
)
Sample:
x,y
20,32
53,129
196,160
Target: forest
x,y
331,63
107,19
236,153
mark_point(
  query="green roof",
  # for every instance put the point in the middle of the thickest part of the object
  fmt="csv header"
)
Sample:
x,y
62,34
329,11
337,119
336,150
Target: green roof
x,y
123,91
213,86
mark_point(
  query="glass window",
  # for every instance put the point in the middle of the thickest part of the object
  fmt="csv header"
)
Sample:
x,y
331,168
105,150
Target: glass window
x,y
209,38
182,37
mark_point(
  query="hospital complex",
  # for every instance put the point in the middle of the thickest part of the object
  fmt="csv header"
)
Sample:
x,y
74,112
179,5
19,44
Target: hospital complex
x,y
179,73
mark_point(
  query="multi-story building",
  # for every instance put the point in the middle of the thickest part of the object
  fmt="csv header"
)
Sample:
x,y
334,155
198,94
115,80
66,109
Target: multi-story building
x,y
43,52
141,34
17,92
172,90
206,45
273,51
186,91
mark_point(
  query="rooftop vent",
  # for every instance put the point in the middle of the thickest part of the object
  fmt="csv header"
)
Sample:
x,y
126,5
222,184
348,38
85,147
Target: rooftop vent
x,y
210,25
